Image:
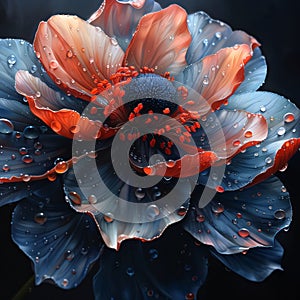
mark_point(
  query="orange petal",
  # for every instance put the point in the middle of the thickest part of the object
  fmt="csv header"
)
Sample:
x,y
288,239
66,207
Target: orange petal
x,y
216,77
160,41
75,54
283,155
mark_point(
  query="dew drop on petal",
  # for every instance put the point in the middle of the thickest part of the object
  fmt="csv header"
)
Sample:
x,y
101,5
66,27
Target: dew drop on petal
x,y
268,160
181,211
152,211
40,218
61,167
289,117
51,176
130,271
200,218
281,131
53,64
75,198
31,132
219,189
92,199
5,168
243,232
11,60
217,208
27,159
139,193
279,214
69,255
248,134
108,217
69,54
6,126
189,296
236,143
65,282
149,170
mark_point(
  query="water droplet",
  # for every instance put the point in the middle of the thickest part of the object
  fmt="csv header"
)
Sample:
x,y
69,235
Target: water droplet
x,y
139,193
153,253
31,132
284,168
217,208
130,271
108,217
236,143
74,129
205,80
6,126
170,163
279,214
219,189
5,168
92,199
262,109
61,167
26,177
181,211
200,218
11,60
65,282
75,198
218,35
248,134
40,218
149,170
69,255
283,189
243,232
69,53
281,131
189,296
289,117
268,160
152,211
33,69
27,159
53,64
113,41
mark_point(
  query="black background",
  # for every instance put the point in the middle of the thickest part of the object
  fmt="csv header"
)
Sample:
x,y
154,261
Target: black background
x,y
275,24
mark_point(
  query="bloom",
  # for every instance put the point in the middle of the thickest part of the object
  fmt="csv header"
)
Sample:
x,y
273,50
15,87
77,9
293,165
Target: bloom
x,y
186,112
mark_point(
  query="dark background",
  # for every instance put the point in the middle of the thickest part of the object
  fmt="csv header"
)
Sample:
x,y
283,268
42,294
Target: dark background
x,y
275,23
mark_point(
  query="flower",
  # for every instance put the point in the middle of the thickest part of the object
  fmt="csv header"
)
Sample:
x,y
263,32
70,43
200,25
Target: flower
x,y
139,137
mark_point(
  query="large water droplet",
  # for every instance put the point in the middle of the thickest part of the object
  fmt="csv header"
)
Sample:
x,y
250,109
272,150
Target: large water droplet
x,y
53,64
69,255
6,126
243,232
281,131
11,60
217,208
130,271
61,167
92,199
152,211
27,159
108,217
31,132
289,117
40,218
280,214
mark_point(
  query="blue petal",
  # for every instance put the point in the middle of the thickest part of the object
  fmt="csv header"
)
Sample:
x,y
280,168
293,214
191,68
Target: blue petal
x,y
255,73
61,243
120,21
16,55
256,160
239,220
31,152
256,264
121,209
172,267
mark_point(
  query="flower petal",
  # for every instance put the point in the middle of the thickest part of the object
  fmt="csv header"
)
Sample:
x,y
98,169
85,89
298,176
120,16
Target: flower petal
x,y
167,30
236,221
274,152
257,264
47,104
16,54
172,267
75,54
119,18
124,211
217,76
61,243
209,36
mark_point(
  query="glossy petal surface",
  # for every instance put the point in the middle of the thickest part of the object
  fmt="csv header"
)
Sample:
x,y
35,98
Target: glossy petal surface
x,y
172,267
239,220
256,264
119,19
167,30
61,243
76,54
